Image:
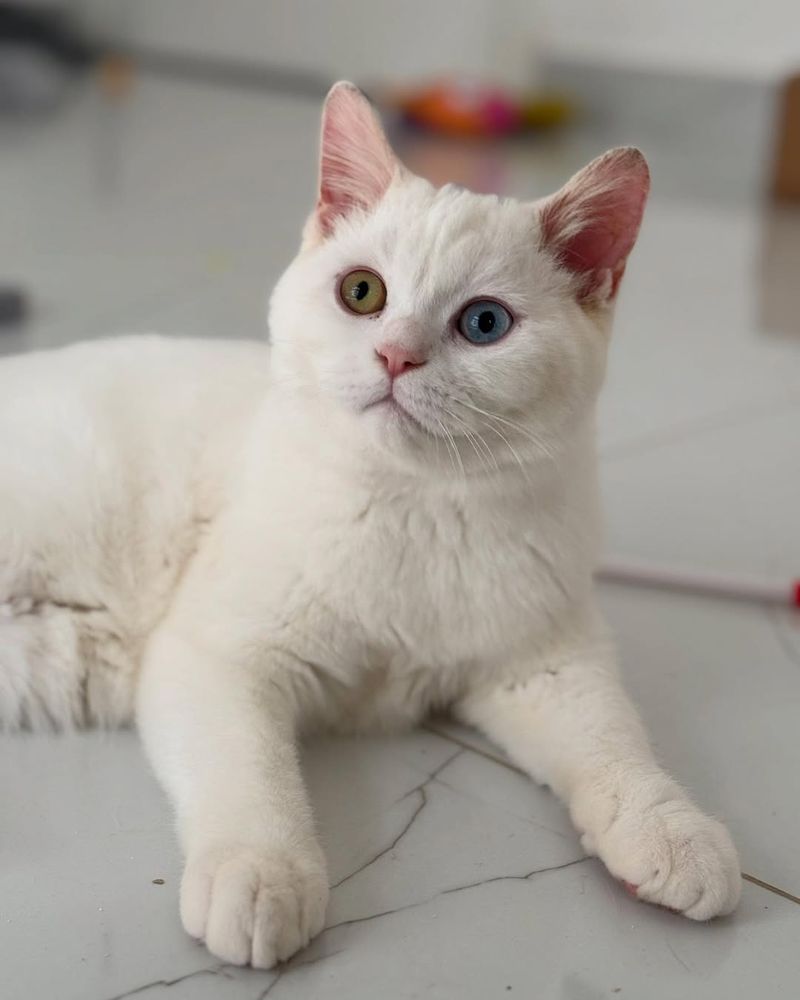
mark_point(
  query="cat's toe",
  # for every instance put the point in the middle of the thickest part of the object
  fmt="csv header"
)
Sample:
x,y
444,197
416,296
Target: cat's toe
x,y
673,855
253,907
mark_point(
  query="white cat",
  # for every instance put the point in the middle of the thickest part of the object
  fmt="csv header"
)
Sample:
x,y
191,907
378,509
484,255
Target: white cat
x,y
393,511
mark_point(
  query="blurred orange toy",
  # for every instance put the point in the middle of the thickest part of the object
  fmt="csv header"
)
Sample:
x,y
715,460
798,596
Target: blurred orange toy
x,y
478,109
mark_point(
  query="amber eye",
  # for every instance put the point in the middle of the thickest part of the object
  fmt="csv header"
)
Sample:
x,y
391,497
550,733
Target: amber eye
x,y
362,292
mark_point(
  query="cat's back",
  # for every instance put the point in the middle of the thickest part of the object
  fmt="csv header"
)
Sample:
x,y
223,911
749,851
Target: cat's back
x,y
98,425
113,456
107,377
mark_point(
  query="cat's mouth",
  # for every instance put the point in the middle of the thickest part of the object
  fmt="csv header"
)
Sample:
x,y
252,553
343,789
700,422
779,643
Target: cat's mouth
x,y
392,406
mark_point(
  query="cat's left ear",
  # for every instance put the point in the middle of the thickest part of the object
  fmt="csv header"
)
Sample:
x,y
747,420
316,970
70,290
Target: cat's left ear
x,y
357,164
591,224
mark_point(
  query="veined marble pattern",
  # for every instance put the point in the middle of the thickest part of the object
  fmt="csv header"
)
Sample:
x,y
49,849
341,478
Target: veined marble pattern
x,y
454,877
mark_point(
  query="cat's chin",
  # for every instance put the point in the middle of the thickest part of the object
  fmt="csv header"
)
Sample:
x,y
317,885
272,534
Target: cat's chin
x,y
396,430
392,415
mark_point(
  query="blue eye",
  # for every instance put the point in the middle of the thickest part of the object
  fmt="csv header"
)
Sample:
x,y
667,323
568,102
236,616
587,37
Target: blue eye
x,y
484,321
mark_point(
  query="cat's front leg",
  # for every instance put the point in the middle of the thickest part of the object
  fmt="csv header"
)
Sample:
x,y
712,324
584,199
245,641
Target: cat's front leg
x,y
571,725
221,739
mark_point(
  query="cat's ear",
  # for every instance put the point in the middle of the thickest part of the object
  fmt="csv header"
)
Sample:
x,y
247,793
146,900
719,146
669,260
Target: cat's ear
x,y
591,224
357,164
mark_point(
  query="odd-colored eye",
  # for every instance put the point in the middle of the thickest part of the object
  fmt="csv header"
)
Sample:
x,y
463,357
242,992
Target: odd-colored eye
x,y
484,321
362,292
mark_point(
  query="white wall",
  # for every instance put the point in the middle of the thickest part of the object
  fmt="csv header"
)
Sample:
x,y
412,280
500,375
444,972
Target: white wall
x,y
396,40
742,37
401,40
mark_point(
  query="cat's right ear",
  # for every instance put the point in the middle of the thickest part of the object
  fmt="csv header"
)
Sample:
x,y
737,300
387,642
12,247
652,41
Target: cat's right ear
x,y
357,164
591,224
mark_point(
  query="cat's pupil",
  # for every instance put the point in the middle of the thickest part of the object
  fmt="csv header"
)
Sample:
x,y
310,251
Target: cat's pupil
x,y
360,291
486,322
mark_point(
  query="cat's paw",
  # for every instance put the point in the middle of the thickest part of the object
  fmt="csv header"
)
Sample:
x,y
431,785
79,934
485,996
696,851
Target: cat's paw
x,y
254,906
671,854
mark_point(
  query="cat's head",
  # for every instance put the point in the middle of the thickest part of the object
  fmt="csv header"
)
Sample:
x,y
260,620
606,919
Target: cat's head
x,y
435,322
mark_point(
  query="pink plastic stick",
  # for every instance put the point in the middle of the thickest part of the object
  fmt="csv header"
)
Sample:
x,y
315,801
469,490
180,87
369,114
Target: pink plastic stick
x,y
697,582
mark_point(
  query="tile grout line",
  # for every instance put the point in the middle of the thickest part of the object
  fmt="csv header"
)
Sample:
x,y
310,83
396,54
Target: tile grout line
x,y
494,758
753,879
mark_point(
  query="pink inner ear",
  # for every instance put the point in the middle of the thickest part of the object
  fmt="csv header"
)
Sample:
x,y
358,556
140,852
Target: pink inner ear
x,y
592,223
357,164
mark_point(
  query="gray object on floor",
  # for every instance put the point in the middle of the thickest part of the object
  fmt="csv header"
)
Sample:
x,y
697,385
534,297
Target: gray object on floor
x,y
13,306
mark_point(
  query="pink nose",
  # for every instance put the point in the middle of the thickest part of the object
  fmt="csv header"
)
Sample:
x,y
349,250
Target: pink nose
x,y
399,359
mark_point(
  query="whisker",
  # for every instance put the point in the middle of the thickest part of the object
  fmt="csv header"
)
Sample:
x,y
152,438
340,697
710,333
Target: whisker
x,y
472,436
488,448
452,448
523,469
524,431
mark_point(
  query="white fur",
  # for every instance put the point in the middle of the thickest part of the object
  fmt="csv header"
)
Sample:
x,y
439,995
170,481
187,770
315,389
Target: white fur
x,y
243,547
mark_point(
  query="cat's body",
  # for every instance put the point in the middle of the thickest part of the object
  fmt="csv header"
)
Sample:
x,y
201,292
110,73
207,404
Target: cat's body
x,y
405,577
393,510
115,459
